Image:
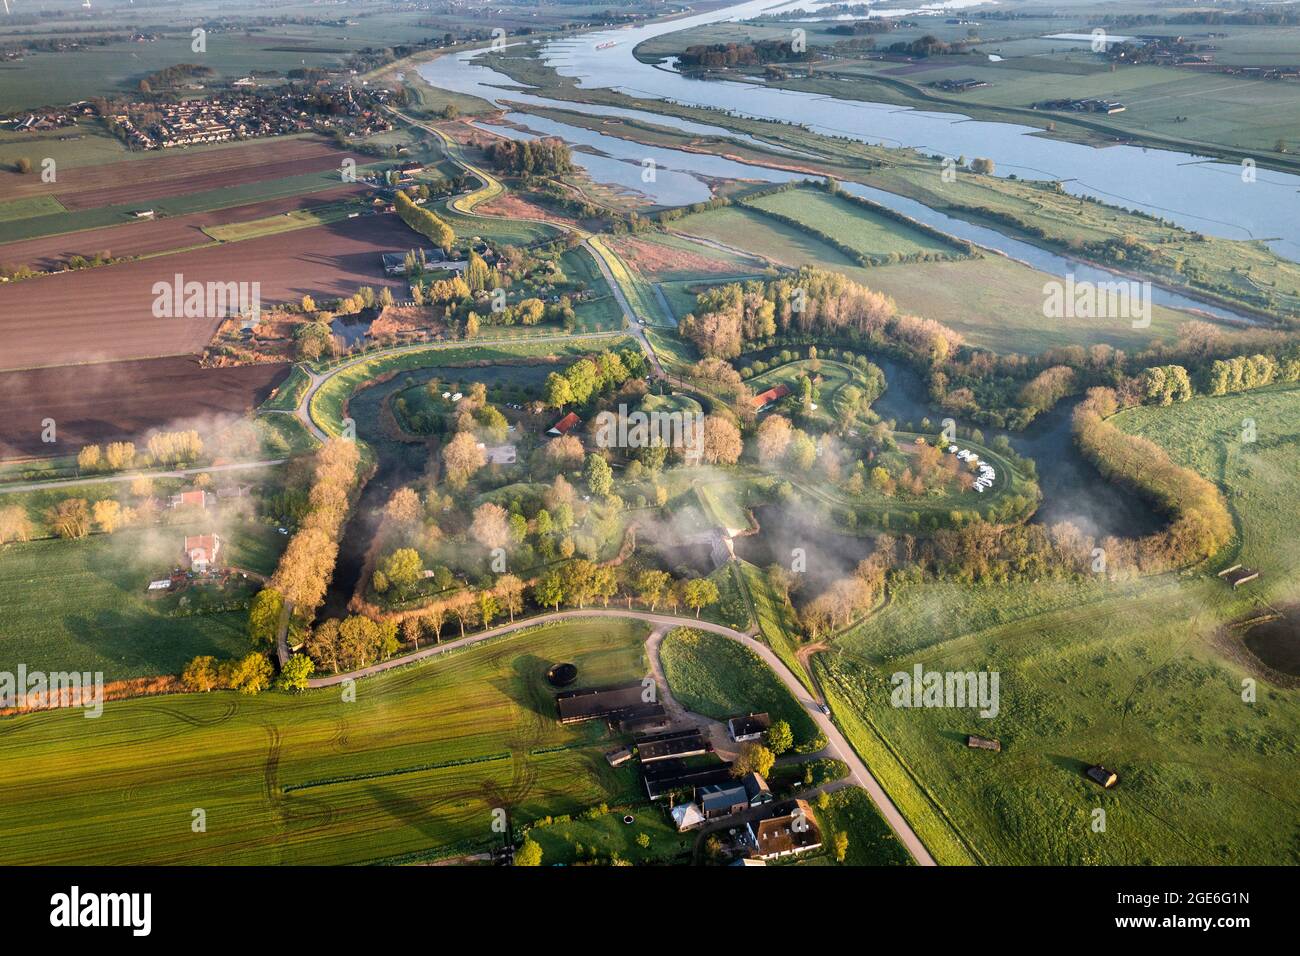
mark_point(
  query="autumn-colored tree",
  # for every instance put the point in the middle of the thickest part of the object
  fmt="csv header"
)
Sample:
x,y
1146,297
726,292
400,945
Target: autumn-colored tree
x,y
404,570
753,758
88,458
200,674
510,592
70,518
773,438
14,524
699,593
462,457
108,514
296,672
651,585
251,674
722,443
264,613
490,526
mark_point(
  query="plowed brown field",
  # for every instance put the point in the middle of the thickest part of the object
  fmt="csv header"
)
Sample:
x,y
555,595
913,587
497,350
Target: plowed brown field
x,y
121,400
153,236
106,314
181,172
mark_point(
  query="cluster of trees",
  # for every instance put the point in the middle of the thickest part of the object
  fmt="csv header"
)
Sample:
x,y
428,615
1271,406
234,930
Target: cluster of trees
x,y
539,157
846,599
813,300
592,377
579,582
721,55
250,674
1047,388
307,564
1165,384
1250,371
115,456
1201,523
352,643
425,222
175,448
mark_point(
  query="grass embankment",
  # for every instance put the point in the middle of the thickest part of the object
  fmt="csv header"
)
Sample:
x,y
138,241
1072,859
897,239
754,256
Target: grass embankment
x,y
412,769
1129,674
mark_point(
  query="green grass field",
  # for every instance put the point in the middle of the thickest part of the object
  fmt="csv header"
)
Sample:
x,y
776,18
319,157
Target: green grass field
x,y
871,842
30,206
856,227
412,769
714,676
994,302
83,604
1127,674
273,225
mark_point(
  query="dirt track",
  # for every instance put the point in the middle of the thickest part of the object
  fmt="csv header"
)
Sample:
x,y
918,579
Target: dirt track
x,y
106,314
95,403
159,235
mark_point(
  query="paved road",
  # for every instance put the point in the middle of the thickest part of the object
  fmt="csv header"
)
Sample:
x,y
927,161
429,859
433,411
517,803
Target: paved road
x,y
131,476
838,746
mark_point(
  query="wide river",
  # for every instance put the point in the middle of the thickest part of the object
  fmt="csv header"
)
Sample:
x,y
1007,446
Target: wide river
x,y
1197,193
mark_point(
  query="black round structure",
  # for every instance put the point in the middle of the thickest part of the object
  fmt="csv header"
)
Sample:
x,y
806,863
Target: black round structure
x,y
562,675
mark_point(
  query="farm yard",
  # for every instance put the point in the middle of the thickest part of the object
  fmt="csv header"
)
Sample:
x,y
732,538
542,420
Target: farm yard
x,y
411,770
99,616
105,314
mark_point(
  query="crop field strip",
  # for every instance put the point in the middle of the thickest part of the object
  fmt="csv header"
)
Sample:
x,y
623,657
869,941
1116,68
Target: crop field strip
x,y
313,779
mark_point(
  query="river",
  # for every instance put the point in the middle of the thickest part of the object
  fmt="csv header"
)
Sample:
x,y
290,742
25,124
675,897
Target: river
x,y
1195,192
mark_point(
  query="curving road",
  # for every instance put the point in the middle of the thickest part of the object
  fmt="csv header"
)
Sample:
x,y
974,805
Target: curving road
x,y
838,746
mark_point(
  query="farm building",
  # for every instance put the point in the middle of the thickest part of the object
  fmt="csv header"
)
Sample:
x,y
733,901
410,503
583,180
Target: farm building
x,y
687,816
674,743
616,758
1101,776
619,702
186,499
749,727
201,551
565,425
722,800
787,830
983,743
665,777
773,394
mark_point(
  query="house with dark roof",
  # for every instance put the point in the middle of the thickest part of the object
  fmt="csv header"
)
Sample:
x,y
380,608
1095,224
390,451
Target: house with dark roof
x,y
722,800
749,727
663,778
756,789
789,829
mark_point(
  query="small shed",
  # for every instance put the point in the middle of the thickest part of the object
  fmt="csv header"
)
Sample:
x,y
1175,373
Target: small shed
x,y
1101,776
983,743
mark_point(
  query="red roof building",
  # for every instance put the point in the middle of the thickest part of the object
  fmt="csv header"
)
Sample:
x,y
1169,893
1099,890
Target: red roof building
x,y
201,550
771,395
565,424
